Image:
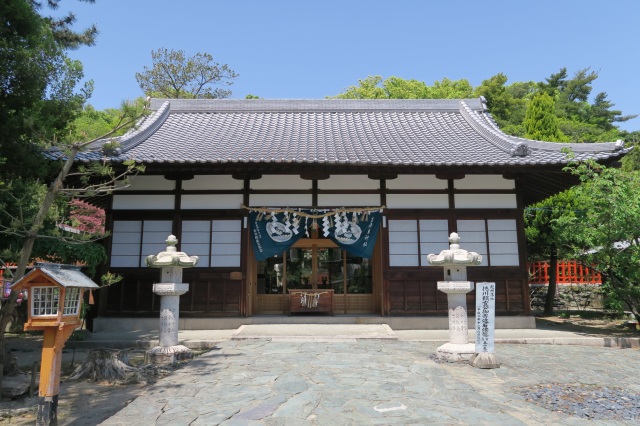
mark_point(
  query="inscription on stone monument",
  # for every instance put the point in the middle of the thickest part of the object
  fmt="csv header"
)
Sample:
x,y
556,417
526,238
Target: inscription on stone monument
x,y
485,317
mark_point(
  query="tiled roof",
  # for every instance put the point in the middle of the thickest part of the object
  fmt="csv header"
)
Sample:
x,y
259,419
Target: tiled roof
x,y
65,275
333,131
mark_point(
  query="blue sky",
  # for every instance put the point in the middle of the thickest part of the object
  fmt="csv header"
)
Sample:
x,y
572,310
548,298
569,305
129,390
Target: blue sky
x,y
312,49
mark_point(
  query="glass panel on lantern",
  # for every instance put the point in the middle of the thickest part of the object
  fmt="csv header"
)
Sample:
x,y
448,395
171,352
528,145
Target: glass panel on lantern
x,y
45,301
71,301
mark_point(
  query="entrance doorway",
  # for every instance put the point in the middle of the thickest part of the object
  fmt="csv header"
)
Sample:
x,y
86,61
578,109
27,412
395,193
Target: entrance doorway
x,y
316,264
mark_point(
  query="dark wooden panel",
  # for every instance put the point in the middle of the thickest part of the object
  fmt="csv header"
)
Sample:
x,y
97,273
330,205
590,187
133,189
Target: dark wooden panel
x,y
211,292
413,291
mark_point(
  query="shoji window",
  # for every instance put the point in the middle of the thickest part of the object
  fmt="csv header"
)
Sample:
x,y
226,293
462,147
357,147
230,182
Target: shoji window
x,y
495,239
134,240
410,241
216,242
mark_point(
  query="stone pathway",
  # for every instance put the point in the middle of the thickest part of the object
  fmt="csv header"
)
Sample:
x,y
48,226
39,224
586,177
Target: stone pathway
x,y
275,382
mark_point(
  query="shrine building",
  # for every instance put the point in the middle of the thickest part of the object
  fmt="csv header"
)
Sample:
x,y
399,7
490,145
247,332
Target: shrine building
x,y
341,200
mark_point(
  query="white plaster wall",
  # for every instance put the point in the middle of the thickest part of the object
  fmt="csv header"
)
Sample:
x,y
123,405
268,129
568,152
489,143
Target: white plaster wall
x,y
486,201
211,201
416,182
348,182
147,183
346,200
484,182
143,202
280,200
217,182
417,201
281,182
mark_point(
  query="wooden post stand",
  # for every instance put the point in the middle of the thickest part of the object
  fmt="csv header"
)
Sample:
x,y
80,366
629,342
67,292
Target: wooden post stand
x,y
50,368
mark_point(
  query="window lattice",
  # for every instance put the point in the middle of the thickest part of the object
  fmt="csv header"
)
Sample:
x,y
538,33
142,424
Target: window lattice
x,y
45,301
71,301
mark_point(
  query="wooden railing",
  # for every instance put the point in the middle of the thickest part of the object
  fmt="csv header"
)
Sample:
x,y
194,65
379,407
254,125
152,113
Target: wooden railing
x,y
568,272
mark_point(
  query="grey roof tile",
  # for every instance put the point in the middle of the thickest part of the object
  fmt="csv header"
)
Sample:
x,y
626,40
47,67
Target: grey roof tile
x,y
332,131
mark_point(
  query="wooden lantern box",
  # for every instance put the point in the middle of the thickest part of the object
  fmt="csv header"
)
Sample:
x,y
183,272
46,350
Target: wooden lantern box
x,y
54,296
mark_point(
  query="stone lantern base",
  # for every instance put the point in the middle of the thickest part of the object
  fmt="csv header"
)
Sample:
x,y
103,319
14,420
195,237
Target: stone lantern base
x,y
484,360
167,354
456,352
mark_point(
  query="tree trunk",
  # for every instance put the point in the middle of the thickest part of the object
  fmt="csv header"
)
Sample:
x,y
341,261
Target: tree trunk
x,y
9,306
106,365
553,282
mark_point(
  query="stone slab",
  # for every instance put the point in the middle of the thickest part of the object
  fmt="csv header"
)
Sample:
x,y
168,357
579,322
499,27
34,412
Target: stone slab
x,y
315,331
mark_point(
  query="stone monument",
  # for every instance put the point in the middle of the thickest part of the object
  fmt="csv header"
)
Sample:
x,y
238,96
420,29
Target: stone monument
x,y
170,289
485,326
455,261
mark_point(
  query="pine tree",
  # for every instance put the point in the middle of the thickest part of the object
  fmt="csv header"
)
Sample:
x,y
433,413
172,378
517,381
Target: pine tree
x,y
540,120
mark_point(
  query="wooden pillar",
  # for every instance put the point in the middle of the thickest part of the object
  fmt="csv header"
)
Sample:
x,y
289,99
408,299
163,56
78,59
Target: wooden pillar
x,y
51,365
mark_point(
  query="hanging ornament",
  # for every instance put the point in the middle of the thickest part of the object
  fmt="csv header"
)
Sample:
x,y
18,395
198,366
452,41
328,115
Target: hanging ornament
x,y
287,223
325,226
295,224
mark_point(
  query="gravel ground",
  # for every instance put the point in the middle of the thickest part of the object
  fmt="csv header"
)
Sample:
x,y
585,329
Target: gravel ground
x,y
586,401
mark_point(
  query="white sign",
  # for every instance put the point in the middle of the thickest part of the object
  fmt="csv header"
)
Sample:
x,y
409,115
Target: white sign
x,y
485,316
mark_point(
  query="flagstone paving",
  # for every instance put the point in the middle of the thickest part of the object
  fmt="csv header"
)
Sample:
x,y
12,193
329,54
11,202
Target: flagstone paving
x,y
280,382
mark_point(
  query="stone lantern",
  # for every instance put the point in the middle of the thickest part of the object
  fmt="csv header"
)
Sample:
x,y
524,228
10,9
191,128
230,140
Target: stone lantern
x,y
455,284
55,304
170,288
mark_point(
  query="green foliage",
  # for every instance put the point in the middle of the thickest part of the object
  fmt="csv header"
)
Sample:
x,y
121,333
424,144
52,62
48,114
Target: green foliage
x,y
91,123
540,122
450,89
543,229
565,114
399,88
606,233
90,253
498,99
373,87
580,120
109,279
19,199
16,214
37,84
369,88
174,75
631,161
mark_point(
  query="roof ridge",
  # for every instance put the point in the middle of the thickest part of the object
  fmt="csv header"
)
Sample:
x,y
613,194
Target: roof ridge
x,y
136,136
312,105
492,133
556,146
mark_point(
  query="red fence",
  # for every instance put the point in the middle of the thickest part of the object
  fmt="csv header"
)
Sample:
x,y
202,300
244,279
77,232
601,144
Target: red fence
x,y
568,272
